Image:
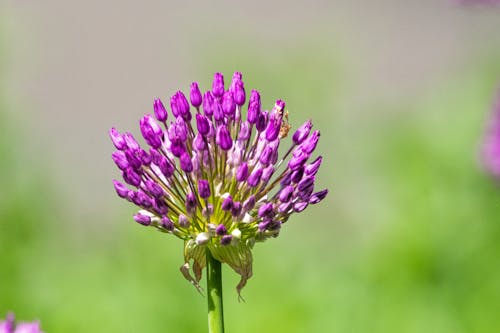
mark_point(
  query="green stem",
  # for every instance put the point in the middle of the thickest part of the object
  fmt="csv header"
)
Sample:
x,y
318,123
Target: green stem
x,y
214,293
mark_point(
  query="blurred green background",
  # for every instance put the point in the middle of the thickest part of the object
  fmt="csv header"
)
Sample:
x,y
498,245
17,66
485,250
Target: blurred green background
x,y
408,239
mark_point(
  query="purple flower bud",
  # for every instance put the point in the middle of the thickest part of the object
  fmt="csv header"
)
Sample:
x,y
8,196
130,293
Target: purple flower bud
x,y
286,193
261,123
186,163
178,130
310,143
167,223
130,141
223,138
296,175
305,183
242,172
183,221
218,113
202,124
302,132
142,219
285,207
279,106
265,156
183,106
145,157
239,93
298,160
190,202
228,105
120,159
266,210
287,180
254,177
226,239
273,129
221,230
218,85
131,177
177,148
300,206
160,111
155,189
254,107
195,95
142,199
160,207
121,189
245,131
236,210
133,159
313,168
203,188
249,203
117,139
227,203
264,225
151,131
208,104
199,143
173,105
267,173
166,168
318,196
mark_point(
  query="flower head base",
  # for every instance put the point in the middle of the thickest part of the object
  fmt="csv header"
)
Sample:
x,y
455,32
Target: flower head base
x,y
491,145
10,326
218,184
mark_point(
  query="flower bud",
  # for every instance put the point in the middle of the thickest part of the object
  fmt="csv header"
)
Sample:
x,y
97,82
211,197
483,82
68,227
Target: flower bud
x,y
183,221
302,132
228,105
242,172
117,139
208,104
318,196
186,163
160,111
195,95
254,177
221,230
203,188
202,124
218,85
223,138
121,189
142,219
167,223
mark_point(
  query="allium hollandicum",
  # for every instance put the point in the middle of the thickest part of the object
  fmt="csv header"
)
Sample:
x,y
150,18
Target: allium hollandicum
x,y
212,175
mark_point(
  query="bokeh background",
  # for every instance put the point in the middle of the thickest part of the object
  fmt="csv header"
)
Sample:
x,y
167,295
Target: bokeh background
x,y
408,239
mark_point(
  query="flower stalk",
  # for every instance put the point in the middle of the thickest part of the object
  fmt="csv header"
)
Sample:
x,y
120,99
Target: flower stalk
x,y
214,295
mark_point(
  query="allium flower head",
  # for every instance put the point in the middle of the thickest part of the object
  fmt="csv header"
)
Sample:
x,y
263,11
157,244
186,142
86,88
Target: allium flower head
x,y
491,145
10,326
216,180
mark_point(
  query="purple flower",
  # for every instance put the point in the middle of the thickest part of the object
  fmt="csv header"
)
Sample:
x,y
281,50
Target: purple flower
x,y
220,185
203,188
195,95
218,85
491,143
9,325
160,111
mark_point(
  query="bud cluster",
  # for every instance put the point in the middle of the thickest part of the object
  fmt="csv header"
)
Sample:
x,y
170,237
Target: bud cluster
x,y
216,180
